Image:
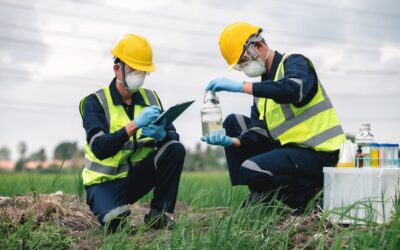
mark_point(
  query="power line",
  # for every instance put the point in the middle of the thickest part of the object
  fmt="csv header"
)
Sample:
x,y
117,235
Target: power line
x,y
373,72
169,28
104,19
67,82
207,65
43,45
13,26
35,104
366,48
172,60
348,9
37,110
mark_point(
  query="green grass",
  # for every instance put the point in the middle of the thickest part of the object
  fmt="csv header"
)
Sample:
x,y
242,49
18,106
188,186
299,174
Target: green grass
x,y
215,221
31,236
198,189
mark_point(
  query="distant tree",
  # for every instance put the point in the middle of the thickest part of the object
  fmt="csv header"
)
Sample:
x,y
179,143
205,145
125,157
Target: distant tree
x,y
22,148
39,155
66,151
5,153
210,158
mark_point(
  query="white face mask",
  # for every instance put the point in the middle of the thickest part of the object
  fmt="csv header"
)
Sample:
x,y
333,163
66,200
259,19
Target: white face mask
x,y
255,68
134,80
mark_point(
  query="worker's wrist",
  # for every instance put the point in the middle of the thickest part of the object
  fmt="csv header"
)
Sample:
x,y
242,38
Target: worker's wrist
x,y
235,142
247,87
131,128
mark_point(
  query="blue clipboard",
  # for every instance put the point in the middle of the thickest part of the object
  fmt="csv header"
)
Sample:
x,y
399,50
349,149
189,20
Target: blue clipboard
x,y
172,113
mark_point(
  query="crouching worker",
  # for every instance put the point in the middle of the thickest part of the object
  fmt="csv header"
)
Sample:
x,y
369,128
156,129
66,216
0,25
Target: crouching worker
x,y
126,156
293,130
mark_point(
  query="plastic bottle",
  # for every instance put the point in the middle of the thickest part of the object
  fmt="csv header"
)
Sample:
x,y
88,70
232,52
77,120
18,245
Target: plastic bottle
x,y
395,148
385,155
363,139
211,113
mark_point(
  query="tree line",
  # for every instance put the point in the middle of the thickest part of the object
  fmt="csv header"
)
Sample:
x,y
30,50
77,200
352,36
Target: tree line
x,y
200,158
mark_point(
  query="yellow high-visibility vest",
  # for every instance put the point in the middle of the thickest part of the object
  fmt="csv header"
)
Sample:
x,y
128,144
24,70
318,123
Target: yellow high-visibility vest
x,y
315,125
133,151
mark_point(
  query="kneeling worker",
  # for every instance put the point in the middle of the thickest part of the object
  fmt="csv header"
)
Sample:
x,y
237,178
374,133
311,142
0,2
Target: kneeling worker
x,y
293,130
126,155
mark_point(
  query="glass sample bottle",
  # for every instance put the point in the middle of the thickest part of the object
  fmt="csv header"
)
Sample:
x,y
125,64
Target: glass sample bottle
x,y
211,113
359,158
374,155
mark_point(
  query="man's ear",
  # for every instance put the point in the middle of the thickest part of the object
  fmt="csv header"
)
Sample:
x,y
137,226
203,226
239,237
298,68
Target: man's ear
x,y
116,68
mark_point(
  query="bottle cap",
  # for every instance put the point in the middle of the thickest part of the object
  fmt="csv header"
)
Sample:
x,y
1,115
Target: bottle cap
x,y
210,96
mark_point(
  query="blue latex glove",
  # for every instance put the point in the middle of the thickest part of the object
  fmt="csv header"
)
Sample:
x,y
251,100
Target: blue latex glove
x,y
221,84
218,138
147,116
155,131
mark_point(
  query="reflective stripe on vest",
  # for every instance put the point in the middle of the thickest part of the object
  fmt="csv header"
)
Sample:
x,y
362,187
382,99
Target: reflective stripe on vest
x,y
99,168
115,167
290,124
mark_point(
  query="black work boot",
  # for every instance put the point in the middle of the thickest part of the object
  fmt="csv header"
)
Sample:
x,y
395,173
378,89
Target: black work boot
x,y
158,219
254,198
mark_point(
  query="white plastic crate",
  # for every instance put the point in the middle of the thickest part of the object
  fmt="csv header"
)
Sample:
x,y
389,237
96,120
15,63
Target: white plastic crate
x,y
355,195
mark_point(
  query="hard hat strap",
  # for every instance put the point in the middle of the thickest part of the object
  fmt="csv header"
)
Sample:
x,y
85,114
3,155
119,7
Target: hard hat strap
x,y
122,65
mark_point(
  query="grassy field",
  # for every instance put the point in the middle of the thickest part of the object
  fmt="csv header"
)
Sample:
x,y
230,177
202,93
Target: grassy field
x,y
213,220
197,189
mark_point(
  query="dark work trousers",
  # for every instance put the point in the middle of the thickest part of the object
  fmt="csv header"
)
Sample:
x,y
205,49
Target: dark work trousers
x,y
160,170
265,166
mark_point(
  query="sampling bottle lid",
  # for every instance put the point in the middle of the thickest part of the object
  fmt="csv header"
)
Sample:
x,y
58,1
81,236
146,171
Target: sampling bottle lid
x,y
210,96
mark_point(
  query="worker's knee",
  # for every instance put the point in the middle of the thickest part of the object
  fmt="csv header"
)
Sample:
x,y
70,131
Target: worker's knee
x,y
230,121
252,171
172,153
178,150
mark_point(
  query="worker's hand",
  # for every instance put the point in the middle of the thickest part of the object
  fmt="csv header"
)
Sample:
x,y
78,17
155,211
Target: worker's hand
x,y
218,138
221,84
155,131
148,115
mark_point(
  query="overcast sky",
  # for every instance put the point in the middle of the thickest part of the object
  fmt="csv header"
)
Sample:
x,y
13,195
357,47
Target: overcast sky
x,y
55,52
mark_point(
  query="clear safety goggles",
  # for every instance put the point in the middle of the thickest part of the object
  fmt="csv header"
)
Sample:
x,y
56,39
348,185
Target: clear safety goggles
x,y
248,55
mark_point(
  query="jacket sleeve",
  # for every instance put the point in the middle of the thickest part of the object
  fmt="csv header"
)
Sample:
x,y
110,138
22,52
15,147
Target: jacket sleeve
x,y
102,143
298,86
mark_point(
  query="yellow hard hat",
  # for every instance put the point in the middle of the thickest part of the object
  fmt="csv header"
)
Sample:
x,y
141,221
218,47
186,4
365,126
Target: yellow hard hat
x,y
232,41
136,52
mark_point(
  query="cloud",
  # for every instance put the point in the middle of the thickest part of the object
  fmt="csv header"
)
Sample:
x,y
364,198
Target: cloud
x,y
390,52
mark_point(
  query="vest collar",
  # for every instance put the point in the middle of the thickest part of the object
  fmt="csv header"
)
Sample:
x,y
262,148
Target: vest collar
x,y
137,98
275,63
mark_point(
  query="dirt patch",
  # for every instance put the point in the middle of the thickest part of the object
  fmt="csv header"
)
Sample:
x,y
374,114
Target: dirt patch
x,y
70,213
305,229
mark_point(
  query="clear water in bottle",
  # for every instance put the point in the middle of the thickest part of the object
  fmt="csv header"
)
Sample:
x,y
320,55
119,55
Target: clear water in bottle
x,y
363,140
211,113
